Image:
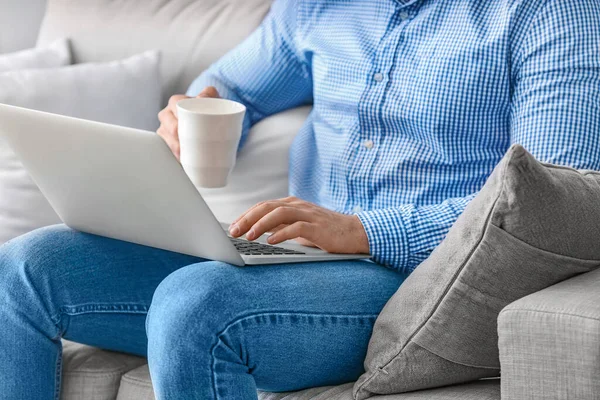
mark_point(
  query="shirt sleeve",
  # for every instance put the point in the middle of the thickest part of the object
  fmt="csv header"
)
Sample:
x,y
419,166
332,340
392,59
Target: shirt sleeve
x,y
555,115
265,72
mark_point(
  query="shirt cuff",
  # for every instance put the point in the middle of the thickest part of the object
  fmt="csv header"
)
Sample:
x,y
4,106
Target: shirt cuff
x,y
388,240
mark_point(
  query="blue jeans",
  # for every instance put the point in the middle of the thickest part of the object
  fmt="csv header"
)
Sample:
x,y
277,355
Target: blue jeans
x,y
210,330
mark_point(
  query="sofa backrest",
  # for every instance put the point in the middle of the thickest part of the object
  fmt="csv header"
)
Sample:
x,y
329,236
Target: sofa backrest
x,y
191,34
19,23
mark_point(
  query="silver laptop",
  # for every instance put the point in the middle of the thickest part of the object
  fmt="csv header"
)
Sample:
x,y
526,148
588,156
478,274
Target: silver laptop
x,y
125,184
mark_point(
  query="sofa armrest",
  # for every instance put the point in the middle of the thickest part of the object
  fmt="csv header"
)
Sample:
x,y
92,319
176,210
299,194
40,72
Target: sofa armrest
x,y
550,342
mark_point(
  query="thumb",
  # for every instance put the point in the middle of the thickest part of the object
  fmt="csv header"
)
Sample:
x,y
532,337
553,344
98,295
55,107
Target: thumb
x,y
209,91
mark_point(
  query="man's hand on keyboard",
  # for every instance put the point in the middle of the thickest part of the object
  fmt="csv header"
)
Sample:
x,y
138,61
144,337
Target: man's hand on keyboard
x,y
292,218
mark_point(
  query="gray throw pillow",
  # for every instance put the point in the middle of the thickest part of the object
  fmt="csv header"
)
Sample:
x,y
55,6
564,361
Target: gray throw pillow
x,y
531,226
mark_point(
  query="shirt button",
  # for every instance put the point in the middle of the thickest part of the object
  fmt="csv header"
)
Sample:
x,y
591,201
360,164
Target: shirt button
x,y
368,144
357,209
378,77
404,16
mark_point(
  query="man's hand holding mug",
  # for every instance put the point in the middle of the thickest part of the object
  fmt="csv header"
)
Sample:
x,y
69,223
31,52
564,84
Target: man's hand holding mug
x,y
169,121
204,134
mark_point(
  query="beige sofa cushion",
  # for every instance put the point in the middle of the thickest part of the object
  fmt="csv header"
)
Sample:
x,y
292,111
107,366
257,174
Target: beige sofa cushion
x,y
190,34
136,385
550,342
93,374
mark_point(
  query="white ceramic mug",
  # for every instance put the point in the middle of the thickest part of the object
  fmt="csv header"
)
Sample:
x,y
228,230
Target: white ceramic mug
x,y
209,136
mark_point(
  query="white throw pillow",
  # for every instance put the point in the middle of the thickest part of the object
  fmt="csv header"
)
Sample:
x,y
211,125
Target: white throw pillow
x,y
121,92
58,54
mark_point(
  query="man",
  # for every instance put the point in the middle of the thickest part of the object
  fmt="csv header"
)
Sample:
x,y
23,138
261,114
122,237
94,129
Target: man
x,y
415,102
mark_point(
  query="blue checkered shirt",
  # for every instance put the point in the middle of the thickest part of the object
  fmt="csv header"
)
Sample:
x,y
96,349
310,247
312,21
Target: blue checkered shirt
x,y
415,102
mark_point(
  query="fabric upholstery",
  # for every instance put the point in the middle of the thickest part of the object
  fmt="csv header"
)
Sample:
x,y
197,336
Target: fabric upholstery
x,y
125,92
191,34
93,374
136,385
57,54
531,226
482,390
550,342
20,23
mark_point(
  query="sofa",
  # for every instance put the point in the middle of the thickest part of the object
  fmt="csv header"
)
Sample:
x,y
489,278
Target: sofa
x,y
549,341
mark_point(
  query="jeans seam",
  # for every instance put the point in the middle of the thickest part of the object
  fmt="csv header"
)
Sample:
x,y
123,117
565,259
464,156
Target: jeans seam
x,y
92,308
58,376
241,319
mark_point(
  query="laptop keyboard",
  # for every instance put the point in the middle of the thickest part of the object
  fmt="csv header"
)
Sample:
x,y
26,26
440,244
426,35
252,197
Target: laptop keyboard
x,y
258,249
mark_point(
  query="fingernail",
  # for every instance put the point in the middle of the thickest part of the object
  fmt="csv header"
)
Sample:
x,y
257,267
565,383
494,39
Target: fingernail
x,y
250,234
235,230
270,239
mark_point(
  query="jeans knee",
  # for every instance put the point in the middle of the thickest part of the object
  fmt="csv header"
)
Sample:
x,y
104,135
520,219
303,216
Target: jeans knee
x,y
192,303
26,272
23,259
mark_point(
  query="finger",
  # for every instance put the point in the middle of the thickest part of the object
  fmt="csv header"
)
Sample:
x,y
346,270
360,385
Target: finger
x,y
162,114
173,100
210,91
169,130
280,215
277,228
173,103
301,229
252,216
175,149
246,212
170,124
283,200
168,138
250,210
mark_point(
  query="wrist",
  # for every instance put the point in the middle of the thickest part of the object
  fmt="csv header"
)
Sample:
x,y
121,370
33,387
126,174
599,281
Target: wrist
x,y
360,236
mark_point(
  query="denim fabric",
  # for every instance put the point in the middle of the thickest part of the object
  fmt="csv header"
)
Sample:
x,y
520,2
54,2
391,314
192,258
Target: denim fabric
x,y
213,331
